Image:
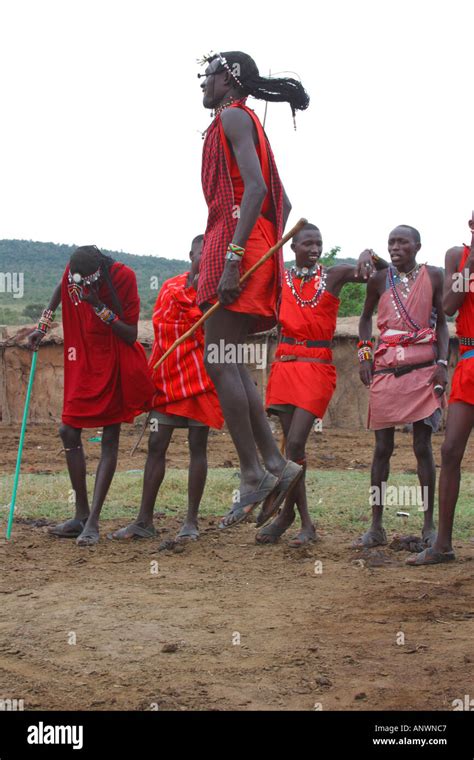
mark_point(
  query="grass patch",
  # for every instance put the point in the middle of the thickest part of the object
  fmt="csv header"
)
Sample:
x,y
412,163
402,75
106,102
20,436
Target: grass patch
x,y
337,498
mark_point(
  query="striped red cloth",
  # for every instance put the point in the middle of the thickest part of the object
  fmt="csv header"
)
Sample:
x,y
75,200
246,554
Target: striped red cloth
x,y
182,375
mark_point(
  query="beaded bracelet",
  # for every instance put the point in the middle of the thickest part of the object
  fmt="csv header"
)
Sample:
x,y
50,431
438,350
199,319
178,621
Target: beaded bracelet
x,y
45,321
363,343
365,355
233,248
105,314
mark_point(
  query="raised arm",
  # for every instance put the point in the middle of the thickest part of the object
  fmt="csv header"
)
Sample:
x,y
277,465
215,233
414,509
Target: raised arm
x,y
454,290
367,264
456,285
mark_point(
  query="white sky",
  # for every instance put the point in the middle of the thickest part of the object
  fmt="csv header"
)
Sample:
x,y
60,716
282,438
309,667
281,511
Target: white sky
x,y
101,114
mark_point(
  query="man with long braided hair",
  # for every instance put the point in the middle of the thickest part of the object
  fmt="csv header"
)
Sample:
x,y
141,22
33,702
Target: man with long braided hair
x,y
248,210
106,376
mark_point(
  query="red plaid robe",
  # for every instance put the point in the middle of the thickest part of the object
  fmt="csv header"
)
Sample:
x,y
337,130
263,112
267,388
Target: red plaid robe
x,y
219,196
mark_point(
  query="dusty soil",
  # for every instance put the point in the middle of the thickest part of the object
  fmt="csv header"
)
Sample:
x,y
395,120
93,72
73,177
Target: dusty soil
x,y
170,640
334,448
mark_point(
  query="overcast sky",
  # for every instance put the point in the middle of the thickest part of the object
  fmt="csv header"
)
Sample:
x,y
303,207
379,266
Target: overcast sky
x,y
102,114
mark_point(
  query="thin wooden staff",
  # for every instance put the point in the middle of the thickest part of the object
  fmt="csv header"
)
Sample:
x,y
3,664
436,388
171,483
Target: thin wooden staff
x,y
291,233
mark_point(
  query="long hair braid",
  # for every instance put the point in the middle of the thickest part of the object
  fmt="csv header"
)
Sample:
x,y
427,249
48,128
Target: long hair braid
x,y
86,260
247,78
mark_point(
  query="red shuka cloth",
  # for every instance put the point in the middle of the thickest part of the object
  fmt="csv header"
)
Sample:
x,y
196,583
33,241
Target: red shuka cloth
x,y
223,189
306,385
183,386
462,384
106,380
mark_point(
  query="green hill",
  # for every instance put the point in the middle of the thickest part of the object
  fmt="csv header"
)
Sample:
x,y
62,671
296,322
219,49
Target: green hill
x,y
42,265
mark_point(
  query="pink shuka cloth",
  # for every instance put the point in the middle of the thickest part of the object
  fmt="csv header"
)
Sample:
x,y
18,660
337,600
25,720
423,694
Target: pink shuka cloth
x,y
411,397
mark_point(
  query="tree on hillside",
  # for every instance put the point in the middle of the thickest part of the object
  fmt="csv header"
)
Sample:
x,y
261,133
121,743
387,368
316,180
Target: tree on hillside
x,y
33,311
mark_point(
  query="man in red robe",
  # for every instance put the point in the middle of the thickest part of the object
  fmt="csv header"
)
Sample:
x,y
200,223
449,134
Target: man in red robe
x,y
247,211
458,296
185,397
106,377
303,378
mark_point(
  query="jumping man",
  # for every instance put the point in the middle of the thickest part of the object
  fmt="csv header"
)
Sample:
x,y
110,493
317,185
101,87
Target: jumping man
x,y
248,210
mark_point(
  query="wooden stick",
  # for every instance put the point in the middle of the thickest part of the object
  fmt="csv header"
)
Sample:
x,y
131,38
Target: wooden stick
x,y
291,233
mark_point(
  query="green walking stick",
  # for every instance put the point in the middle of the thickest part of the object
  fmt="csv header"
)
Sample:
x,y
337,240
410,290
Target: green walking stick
x,y
20,445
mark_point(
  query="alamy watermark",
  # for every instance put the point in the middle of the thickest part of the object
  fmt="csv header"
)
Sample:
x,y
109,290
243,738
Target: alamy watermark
x,y
463,282
12,282
237,353
399,496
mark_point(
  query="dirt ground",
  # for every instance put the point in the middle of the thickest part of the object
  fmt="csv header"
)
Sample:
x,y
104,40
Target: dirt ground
x,y
225,624
228,625
334,448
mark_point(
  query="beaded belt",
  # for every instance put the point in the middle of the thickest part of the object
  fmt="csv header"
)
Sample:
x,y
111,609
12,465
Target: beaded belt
x,y
306,343
402,370
466,341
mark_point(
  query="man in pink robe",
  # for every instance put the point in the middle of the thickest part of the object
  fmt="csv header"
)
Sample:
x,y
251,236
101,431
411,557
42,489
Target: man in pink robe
x,y
407,374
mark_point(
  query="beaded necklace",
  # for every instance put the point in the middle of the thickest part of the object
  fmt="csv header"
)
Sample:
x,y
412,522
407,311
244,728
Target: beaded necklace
x,y
319,275
397,302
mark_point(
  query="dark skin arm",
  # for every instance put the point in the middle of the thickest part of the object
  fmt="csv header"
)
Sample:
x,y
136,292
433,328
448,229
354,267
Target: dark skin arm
x,y
240,132
440,373
286,208
341,274
36,336
452,300
375,288
128,333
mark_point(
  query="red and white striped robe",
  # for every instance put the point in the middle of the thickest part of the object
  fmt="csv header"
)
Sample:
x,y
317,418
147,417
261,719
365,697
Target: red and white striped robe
x,y
183,386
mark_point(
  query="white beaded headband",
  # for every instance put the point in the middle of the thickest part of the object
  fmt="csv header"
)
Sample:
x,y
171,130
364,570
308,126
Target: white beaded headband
x,y
223,62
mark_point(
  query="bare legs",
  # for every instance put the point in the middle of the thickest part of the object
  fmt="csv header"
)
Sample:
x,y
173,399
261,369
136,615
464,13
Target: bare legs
x,y
85,523
296,427
155,467
241,405
459,425
384,445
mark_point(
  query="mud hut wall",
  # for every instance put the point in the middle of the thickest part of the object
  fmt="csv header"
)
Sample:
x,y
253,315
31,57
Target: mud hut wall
x,y
348,407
